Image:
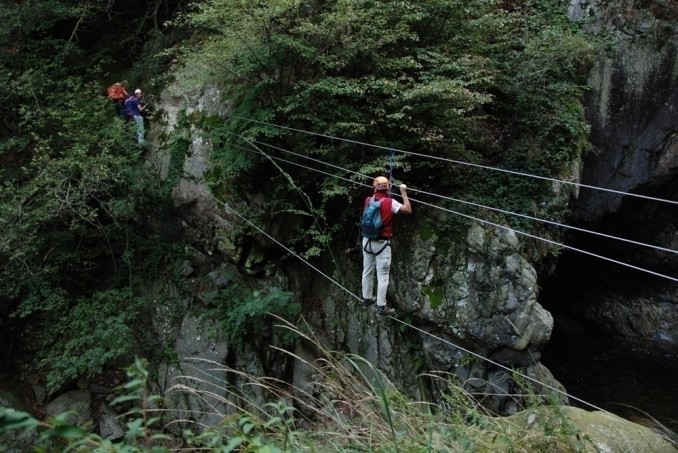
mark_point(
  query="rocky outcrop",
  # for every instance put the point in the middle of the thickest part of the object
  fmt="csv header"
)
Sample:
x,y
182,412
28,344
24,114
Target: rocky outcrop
x,y
647,322
478,296
573,429
632,107
79,402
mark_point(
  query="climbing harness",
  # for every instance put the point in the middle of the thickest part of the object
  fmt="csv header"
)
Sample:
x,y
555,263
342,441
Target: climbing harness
x,y
371,251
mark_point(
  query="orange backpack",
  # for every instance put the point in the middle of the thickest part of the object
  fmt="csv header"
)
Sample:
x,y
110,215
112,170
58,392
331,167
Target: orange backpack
x,y
116,92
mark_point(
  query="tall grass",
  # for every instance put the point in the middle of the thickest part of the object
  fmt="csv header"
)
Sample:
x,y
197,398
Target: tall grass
x,y
350,406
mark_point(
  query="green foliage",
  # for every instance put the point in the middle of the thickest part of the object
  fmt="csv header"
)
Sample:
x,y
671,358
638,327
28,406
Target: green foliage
x,y
11,419
489,82
244,316
353,408
435,295
60,434
463,414
75,195
93,333
67,215
245,433
69,219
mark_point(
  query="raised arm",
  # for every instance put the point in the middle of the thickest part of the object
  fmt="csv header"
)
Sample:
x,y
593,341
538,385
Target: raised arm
x,y
406,208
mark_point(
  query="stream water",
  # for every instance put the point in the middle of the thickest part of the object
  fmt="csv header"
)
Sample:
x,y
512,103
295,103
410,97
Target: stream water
x,y
632,383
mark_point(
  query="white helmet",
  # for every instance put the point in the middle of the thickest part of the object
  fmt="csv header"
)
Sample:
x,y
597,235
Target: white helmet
x,y
381,183
137,91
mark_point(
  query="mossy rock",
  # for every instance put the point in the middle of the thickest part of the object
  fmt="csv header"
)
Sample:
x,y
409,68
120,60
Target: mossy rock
x,y
566,428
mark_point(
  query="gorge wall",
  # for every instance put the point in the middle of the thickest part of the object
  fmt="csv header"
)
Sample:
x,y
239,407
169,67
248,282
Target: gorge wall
x,y
632,108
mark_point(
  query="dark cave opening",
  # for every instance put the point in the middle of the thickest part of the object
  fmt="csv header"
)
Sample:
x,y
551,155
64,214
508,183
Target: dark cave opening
x,y
629,377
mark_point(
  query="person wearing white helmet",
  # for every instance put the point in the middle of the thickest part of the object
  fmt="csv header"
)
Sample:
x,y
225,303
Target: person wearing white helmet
x,y
377,250
134,106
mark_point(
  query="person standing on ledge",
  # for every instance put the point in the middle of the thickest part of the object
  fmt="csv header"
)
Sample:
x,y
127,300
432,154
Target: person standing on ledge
x,y
134,106
376,242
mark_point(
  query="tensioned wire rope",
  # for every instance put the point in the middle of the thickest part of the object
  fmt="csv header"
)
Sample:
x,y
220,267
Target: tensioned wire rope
x,y
586,252
478,205
459,162
454,345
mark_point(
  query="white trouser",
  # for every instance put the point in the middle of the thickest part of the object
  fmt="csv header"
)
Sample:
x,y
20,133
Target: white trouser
x,y
382,264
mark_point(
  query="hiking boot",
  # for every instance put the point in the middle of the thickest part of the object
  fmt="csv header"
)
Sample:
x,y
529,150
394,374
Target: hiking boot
x,y
367,302
383,310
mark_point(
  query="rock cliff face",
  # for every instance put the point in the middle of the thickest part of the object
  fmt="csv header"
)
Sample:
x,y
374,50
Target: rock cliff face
x,y
632,105
466,296
632,108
